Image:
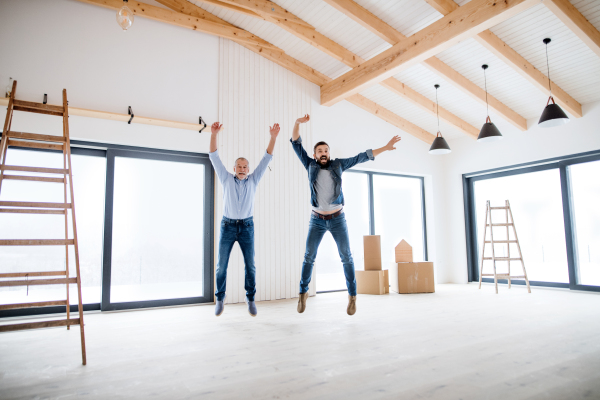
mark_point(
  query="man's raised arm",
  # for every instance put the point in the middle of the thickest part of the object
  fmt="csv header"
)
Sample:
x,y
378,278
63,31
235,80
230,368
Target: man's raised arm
x,y
214,155
297,142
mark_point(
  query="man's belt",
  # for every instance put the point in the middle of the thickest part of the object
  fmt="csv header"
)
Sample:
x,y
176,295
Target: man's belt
x,y
329,216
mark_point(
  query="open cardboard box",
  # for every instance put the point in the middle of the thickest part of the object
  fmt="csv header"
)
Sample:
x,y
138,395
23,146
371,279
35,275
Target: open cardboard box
x,y
412,277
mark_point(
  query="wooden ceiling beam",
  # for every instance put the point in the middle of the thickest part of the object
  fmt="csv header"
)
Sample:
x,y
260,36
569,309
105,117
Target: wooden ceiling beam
x,y
391,117
174,18
576,22
476,16
268,10
514,60
354,60
380,28
367,20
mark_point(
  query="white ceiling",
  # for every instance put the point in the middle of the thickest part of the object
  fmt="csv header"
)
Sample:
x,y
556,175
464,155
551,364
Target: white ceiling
x,y
573,66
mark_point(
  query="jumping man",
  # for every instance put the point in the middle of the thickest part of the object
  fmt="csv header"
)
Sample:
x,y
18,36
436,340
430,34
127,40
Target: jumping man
x,y
327,200
237,224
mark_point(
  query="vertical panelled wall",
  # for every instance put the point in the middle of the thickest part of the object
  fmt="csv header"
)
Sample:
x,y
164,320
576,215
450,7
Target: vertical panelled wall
x,y
255,93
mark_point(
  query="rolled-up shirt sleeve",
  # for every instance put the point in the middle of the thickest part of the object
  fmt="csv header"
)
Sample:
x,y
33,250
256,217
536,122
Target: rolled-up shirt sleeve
x,y
218,165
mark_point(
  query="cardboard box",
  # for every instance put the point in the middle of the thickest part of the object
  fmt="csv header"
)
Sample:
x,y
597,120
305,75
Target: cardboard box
x,y
413,277
404,252
372,282
372,252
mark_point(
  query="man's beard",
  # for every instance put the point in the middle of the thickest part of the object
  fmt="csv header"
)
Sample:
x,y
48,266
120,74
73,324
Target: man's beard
x,y
323,161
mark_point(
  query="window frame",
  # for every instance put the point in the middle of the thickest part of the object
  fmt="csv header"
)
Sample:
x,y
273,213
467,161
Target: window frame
x,y
370,175
562,164
110,151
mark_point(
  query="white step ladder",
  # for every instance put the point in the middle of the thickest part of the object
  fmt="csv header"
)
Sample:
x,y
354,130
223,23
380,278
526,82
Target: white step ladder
x,y
508,241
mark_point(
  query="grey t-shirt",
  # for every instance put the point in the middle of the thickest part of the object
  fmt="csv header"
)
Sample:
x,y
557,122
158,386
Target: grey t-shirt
x,y
325,189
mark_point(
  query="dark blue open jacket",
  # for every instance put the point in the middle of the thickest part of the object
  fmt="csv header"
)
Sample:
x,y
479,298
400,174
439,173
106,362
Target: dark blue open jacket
x,y
336,166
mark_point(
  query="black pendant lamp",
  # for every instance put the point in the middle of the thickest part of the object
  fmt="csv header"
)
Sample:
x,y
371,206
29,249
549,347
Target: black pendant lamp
x,y
489,132
439,145
552,115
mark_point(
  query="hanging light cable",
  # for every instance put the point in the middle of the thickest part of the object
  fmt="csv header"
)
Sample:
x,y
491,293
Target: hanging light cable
x,y
552,115
439,145
489,132
125,17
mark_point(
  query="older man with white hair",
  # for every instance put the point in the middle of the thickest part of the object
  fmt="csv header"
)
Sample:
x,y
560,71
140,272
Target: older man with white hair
x,y
238,207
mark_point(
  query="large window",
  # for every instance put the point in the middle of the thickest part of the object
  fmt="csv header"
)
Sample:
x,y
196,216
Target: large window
x,y
375,204
554,205
143,223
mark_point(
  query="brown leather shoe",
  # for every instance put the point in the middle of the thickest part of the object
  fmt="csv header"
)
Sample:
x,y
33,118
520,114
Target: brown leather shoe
x,y
302,302
351,305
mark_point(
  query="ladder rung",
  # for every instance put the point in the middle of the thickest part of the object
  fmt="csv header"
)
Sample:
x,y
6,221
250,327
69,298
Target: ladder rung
x,y
499,208
34,178
24,274
34,169
36,242
34,204
38,304
501,241
29,106
37,282
35,325
32,211
503,224
35,145
36,136
502,259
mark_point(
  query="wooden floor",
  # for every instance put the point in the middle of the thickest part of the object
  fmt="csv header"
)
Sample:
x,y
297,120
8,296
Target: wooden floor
x,y
459,343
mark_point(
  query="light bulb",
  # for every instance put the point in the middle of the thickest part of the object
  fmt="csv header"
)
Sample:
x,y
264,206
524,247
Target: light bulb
x,y
9,87
125,17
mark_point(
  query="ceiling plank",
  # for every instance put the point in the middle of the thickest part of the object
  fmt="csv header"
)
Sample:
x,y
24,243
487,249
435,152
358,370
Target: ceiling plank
x,y
476,16
514,60
367,20
576,22
198,24
391,117
357,12
405,92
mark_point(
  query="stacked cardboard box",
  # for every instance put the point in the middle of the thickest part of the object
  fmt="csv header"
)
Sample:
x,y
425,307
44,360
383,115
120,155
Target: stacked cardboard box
x,y
373,280
407,276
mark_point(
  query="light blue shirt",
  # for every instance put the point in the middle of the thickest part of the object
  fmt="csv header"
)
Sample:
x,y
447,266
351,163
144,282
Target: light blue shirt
x,y
238,196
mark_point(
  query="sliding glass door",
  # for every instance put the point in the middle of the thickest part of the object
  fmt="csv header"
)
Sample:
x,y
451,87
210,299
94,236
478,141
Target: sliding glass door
x,y
376,204
158,238
554,204
144,222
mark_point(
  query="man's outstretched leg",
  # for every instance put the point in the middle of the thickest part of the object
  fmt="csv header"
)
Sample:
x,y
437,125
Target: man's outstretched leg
x,y
246,241
339,231
316,230
226,241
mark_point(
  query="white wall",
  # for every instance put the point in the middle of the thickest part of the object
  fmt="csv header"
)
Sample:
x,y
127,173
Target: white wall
x,y
578,136
254,94
161,71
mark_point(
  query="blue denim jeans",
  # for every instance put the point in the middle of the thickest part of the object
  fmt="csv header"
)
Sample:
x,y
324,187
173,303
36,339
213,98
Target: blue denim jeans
x,y
339,230
242,231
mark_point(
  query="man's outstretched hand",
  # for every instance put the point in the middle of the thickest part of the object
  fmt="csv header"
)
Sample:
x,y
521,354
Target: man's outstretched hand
x,y
392,142
304,119
215,128
274,131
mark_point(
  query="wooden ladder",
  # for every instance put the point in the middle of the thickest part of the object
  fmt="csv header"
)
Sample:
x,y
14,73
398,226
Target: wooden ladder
x,y
508,241
52,142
